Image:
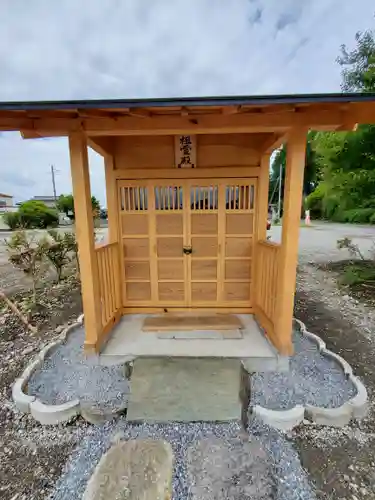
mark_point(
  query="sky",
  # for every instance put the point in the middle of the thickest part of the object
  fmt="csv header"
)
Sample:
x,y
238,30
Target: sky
x,y
80,49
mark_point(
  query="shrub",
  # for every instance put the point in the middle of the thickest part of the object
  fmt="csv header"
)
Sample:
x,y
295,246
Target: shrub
x,y
314,203
352,248
72,245
29,255
35,214
12,220
358,215
356,274
57,251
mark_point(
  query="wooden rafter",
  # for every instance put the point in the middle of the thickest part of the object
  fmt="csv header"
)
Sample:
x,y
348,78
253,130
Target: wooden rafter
x,y
272,142
140,122
101,145
231,110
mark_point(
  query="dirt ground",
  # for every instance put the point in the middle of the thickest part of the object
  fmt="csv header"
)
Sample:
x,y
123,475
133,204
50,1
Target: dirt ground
x,y
32,456
340,462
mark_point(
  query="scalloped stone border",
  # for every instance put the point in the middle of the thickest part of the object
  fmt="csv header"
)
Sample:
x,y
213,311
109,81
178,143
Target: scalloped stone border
x,y
47,414
44,413
354,408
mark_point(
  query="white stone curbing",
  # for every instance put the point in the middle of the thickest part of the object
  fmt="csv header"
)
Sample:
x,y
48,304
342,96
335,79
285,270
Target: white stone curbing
x,y
317,340
284,420
354,408
340,361
22,400
43,413
334,417
359,403
54,414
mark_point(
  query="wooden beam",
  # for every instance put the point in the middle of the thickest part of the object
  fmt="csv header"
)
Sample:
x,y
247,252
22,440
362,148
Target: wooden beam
x,y
244,122
102,145
112,200
347,127
273,142
295,164
231,110
138,112
33,134
30,134
85,238
186,173
175,125
262,200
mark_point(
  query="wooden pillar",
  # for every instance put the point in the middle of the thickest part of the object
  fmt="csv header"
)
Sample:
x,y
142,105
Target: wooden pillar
x,y
85,238
295,164
112,201
262,200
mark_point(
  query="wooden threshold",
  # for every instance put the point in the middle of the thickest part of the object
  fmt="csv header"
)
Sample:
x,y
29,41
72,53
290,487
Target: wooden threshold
x,y
183,322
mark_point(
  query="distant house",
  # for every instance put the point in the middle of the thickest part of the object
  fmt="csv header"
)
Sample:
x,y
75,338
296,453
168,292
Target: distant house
x,y
50,201
6,202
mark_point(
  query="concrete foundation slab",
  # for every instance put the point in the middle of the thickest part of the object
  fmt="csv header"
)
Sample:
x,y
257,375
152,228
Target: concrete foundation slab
x,y
185,390
127,341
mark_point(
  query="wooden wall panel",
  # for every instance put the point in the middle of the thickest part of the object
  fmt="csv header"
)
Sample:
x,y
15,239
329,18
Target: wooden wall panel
x,y
171,269
138,291
204,269
171,291
137,270
144,152
136,248
220,150
203,292
134,224
238,247
236,291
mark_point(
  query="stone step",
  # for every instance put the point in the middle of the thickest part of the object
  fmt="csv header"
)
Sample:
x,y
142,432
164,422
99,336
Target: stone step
x,y
187,390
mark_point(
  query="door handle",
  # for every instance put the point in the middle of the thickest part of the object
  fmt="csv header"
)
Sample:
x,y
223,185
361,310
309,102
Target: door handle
x,y
187,250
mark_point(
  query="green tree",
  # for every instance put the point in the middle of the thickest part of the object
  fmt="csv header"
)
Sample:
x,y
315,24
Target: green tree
x,y
346,160
95,206
358,64
65,203
312,170
35,214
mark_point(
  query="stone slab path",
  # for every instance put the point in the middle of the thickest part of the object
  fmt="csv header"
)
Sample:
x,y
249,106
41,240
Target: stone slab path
x,y
185,390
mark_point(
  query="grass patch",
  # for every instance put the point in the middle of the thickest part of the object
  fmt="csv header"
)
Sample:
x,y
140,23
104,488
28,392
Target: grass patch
x,y
359,273
356,276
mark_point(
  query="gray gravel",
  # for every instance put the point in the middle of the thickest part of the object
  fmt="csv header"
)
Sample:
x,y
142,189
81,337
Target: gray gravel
x,y
318,242
313,378
68,374
290,480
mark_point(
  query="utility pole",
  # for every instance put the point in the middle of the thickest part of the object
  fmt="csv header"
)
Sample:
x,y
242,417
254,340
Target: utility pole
x,y
280,185
53,182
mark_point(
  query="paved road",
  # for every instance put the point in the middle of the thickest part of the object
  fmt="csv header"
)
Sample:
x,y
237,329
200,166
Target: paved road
x,y
101,234
318,242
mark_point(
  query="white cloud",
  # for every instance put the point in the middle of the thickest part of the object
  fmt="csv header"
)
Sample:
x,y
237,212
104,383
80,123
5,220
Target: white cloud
x,y
159,48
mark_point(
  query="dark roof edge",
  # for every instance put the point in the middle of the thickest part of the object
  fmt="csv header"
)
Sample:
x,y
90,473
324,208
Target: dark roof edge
x,y
188,101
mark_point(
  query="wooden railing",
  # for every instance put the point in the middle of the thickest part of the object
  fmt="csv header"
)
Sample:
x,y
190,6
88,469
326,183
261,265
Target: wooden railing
x,y
266,284
107,255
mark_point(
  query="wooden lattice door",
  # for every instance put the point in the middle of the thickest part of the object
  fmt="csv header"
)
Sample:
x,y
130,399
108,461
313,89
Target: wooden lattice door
x,y
187,243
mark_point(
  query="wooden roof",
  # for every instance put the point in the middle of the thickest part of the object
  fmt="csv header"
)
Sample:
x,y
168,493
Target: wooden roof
x,y
274,114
